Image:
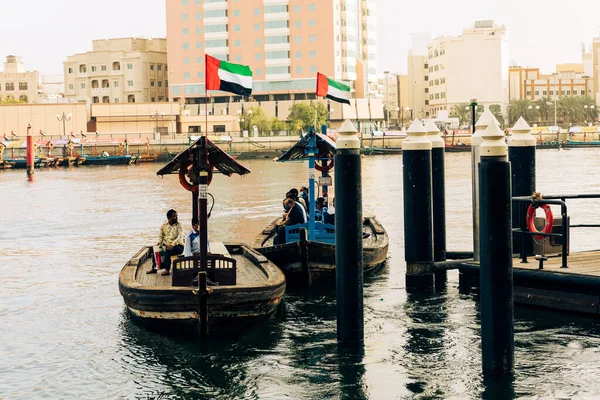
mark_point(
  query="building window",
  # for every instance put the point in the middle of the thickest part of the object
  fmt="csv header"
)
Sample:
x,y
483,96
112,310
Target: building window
x,y
278,70
198,16
184,17
298,39
129,66
312,22
95,99
276,24
131,98
184,2
298,54
552,93
198,45
298,70
22,85
215,14
237,43
237,28
186,76
70,70
159,83
257,27
185,31
537,92
103,68
130,83
236,13
159,67
277,39
198,31
93,68
115,83
258,72
296,8
271,55
313,68
9,86
529,93
216,43
544,93
215,28
116,100
298,24
151,67
70,86
312,7
200,75
258,42
199,60
186,46
186,60
257,11
258,57
152,83
313,54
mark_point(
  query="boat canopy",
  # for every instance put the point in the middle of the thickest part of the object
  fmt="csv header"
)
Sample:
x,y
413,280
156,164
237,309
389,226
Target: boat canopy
x,y
297,152
216,157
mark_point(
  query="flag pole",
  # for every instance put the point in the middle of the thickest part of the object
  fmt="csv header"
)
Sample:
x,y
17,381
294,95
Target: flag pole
x,y
205,95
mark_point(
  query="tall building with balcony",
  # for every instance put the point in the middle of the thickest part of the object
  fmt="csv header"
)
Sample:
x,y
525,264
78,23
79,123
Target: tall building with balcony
x,y
124,70
18,84
285,43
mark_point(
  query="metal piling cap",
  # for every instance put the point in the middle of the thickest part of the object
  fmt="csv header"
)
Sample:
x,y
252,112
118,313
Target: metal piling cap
x,y
493,142
348,138
416,139
521,136
434,134
486,119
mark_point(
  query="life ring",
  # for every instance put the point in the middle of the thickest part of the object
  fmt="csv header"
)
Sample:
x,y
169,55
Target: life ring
x,y
325,159
531,216
50,145
184,182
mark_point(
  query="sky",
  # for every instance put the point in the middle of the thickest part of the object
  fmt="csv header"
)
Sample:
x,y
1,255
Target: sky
x,y
542,33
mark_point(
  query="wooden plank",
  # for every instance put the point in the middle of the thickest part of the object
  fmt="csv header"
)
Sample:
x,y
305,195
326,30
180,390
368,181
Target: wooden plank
x,y
219,248
557,300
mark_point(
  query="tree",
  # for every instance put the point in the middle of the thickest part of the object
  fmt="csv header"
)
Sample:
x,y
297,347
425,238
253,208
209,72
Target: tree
x,y
518,109
546,107
462,111
590,110
11,100
570,110
496,111
277,125
255,116
302,115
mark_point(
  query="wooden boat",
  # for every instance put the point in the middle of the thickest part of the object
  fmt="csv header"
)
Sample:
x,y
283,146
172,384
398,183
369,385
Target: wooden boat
x,y
580,144
233,284
6,164
318,256
306,256
453,148
386,150
148,157
110,160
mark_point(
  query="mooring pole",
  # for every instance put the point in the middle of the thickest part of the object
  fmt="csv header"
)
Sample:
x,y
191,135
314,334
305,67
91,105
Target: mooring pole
x,y
496,274
486,119
439,196
30,155
521,154
348,236
204,169
418,217
325,188
311,152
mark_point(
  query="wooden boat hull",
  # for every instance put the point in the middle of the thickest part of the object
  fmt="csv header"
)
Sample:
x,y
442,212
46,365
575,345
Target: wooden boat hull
x,y
226,304
111,160
456,149
321,256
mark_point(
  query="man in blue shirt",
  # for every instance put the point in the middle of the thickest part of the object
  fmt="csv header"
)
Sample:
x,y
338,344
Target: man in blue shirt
x,y
192,240
295,215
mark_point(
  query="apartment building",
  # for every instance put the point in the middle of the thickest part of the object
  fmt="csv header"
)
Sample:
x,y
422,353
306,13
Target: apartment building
x,y
285,43
126,70
569,80
394,88
18,84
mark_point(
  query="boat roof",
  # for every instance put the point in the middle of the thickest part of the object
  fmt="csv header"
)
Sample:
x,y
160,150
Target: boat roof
x,y
296,152
219,159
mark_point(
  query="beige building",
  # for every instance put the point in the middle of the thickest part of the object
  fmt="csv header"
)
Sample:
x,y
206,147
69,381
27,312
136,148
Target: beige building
x,y
530,84
595,64
285,43
18,84
124,70
394,88
473,65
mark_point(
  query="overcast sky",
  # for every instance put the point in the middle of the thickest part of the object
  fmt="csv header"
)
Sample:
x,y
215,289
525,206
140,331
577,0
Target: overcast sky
x,y
542,33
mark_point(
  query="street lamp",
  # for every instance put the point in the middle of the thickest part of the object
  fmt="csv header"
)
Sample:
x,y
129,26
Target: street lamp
x,y
537,108
407,109
171,101
64,118
156,117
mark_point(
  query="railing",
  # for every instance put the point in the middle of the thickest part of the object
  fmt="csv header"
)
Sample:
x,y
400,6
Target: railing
x,y
565,227
220,269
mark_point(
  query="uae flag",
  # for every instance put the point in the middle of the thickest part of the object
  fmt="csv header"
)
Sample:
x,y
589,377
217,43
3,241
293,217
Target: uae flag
x,y
228,77
333,90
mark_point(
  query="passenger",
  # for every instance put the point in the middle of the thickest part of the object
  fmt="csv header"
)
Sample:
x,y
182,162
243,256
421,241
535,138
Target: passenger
x,y
320,209
171,236
295,215
293,194
105,154
304,195
329,215
191,246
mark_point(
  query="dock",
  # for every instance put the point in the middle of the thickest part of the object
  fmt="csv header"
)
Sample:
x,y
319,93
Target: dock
x,y
575,288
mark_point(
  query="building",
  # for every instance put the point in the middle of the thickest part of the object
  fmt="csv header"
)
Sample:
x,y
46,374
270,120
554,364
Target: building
x,y
530,84
285,43
395,98
53,89
418,75
18,84
124,70
473,65
595,64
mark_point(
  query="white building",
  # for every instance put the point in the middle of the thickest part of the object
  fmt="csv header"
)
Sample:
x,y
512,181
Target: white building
x,y
418,75
471,66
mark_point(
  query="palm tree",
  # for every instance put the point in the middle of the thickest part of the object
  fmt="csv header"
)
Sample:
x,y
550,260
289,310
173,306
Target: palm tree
x,y
518,109
570,110
462,111
496,111
590,110
546,107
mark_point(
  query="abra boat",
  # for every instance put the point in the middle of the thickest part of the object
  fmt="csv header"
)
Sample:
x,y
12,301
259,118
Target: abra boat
x,y
309,252
110,160
231,285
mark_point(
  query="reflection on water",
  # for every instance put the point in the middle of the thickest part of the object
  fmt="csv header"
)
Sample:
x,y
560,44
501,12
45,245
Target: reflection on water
x,y
64,239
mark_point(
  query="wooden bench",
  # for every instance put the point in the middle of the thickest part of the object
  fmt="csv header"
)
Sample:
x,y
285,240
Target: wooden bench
x,y
221,268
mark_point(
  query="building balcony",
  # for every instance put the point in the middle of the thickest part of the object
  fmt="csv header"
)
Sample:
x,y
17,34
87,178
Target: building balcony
x,y
216,5
216,20
105,89
216,35
278,61
276,16
117,72
277,46
95,90
276,1
278,77
82,74
277,31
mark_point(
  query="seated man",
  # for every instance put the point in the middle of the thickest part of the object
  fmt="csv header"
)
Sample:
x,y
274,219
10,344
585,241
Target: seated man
x,y
329,214
304,196
295,215
192,240
320,209
170,236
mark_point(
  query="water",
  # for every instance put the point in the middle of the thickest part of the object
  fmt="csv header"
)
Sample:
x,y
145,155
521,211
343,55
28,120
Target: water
x,y
65,332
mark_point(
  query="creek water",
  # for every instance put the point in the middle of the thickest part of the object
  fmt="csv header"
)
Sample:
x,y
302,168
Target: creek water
x,y
66,333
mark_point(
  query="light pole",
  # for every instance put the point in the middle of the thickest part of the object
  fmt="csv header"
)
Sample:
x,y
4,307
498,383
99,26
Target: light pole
x,y
538,111
387,99
64,118
171,101
156,117
591,107
407,109
397,115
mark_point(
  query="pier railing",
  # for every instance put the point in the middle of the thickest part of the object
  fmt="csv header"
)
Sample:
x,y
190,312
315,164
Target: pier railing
x,y
565,226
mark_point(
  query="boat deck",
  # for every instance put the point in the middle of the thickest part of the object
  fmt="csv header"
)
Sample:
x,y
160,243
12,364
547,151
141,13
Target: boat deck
x,y
247,273
581,263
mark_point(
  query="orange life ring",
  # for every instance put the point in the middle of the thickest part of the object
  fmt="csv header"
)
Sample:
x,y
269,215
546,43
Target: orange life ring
x,y
549,220
184,182
324,160
50,145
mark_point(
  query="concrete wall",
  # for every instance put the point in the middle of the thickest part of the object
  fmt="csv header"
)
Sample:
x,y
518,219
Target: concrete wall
x,y
43,117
